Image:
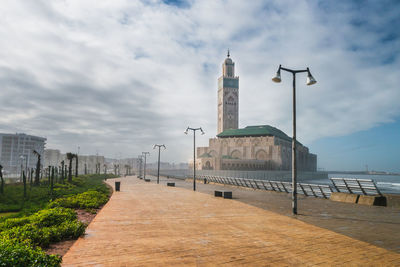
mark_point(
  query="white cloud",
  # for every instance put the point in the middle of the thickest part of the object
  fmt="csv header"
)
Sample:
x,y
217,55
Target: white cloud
x,y
119,76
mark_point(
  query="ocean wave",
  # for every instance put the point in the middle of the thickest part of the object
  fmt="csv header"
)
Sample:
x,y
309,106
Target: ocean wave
x,y
389,184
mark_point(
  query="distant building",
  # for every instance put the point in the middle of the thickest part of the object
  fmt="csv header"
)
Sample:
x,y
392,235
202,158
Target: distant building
x,y
53,157
260,147
17,149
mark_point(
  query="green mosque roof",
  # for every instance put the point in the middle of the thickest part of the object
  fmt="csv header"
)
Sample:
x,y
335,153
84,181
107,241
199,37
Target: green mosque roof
x,y
205,155
258,130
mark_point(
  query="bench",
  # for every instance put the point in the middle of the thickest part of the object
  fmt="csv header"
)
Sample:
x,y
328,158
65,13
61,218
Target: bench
x,y
224,194
170,184
147,180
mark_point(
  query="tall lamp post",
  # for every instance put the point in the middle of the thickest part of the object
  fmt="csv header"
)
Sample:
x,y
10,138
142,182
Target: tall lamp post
x,y
194,152
144,167
158,170
310,81
139,161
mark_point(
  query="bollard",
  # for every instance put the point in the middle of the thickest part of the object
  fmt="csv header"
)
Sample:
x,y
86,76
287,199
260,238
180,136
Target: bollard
x,y
218,193
117,186
228,194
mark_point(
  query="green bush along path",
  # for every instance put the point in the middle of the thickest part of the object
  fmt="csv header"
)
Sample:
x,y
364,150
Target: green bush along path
x,y
44,217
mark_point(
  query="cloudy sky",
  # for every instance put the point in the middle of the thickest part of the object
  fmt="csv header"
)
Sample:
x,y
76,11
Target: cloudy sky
x,y
119,76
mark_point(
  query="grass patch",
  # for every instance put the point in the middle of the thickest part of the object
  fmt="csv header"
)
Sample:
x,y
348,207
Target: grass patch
x,y
7,214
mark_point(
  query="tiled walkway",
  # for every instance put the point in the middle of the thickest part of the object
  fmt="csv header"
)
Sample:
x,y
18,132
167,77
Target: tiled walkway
x,y
154,225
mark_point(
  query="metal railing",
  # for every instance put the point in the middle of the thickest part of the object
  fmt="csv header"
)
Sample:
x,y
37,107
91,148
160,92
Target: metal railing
x,y
345,185
323,191
356,186
285,176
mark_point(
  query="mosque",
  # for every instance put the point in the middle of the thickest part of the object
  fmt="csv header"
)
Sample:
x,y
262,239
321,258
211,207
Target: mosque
x,y
260,147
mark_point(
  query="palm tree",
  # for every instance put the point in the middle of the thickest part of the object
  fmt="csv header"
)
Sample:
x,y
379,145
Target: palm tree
x,y
2,180
70,157
37,176
76,167
62,171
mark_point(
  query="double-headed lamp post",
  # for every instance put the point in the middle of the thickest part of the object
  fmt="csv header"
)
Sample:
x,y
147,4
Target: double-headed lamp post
x,y
144,167
310,81
194,152
159,151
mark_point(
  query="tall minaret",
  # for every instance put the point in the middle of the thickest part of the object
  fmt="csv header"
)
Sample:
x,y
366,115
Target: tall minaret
x,y
228,97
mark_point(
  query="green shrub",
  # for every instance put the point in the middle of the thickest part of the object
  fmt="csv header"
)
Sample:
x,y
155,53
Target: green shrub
x,y
64,186
49,217
44,227
41,218
15,253
13,222
23,236
87,200
39,196
78,181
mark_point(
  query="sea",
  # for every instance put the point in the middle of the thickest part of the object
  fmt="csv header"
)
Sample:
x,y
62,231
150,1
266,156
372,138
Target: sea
x,y
387,184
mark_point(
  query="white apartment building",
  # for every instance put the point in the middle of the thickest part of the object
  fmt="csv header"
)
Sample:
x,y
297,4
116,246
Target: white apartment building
x,y
16,150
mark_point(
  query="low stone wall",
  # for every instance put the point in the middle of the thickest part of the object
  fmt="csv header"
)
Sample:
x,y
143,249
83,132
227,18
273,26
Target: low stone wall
x,y
393,201
344,197
372,200
386,200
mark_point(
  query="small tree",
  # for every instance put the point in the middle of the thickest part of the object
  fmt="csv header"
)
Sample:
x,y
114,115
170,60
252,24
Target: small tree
x,y
70,157
37,176
52,181
62,171
24,181
31,178
49,172
2,180
76,166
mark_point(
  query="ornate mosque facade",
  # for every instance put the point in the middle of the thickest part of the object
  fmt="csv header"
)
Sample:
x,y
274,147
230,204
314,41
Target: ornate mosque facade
x,y
260,147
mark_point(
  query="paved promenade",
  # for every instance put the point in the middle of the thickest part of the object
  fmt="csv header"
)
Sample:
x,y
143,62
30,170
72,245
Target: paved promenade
x,y
153,225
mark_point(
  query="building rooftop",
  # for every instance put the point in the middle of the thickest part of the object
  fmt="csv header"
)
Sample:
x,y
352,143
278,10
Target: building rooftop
x,y
253,131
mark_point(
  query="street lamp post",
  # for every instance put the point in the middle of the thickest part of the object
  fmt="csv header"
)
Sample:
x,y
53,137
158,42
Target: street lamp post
x,y
144,167
194,152
310,81
139,162
158,170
